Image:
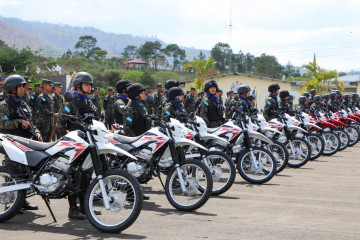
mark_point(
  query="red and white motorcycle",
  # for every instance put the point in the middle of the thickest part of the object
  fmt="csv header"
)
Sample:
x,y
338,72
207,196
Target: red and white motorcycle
x,y
54,170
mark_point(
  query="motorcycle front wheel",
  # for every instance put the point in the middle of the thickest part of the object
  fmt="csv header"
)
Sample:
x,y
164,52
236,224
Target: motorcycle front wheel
x,y
353,133
125,199
344,138
198,185
299,153
317,145
332,143
280,153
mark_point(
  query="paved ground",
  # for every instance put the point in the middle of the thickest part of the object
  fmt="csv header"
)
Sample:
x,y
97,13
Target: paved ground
x,y
318,201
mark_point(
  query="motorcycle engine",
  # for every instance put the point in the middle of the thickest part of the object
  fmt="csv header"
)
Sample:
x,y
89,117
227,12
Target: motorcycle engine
x,y
140,168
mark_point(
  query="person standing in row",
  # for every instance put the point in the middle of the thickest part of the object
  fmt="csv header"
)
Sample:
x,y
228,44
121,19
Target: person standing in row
x,y
158,100
190,101
121,100
34,97
26,96
58,105
271,109
108,105
96,100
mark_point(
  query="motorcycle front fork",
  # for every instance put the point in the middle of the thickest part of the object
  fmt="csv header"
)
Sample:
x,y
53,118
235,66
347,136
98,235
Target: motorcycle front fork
x,y
175,156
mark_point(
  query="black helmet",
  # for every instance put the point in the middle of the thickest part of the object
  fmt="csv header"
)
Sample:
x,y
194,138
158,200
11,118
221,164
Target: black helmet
x,y
273,87
149,99
13,81
284,93
83,77
354,95
302,99
122,84
332,95
316,98
171,83
291,97
251,97
326,96
347,96
306,94
243,89
135,89
337,92
209,84
313,91
174,92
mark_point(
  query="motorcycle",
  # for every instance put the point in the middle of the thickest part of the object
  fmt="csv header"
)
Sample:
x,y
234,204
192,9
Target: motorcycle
x,y
54,170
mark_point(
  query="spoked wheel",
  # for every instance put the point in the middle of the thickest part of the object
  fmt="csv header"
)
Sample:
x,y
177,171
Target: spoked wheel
x,y
344,138
10,202
222,170
332,143
198,185
299,152
280,153
353,134
256,166
317,145
125,199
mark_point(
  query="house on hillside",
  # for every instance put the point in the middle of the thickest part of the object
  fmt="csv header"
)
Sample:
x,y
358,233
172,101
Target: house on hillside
x,y
135,64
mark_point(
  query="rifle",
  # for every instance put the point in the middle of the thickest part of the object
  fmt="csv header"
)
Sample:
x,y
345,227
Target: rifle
x,y
22,115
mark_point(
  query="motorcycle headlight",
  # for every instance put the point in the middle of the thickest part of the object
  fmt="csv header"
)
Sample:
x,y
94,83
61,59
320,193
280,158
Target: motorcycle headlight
x,y
107,138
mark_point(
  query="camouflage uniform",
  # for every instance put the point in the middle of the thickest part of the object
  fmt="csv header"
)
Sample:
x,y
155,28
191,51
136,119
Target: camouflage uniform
x,y
33,103
158,103
134,121
227,107
170,110
271,108
108,105
240,106
315,107
44,118
346,104
119,107
211,110
26,97
355,104
58,105
302,108
95,99
190,103
333,105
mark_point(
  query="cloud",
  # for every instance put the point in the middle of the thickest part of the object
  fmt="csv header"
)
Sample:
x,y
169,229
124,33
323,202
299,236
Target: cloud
x,y
4,3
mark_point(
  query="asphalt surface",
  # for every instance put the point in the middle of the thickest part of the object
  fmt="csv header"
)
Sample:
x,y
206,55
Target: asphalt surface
x,y
321,200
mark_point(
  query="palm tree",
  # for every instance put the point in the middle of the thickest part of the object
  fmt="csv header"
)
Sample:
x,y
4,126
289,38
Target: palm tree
x,y
203,70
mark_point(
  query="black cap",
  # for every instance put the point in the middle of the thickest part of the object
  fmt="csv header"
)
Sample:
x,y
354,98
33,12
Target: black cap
x,y
30,88
46,82
96,88
159,85
110,89
37,85
58,84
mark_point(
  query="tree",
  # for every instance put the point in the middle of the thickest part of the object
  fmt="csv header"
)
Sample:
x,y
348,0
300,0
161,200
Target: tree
x,y
130,52
88,44
201,56
249,63
268,66
238,62
203,70
222,54
291,71
68,54
147,80
178,55
2,44
152,51
99,54
11,56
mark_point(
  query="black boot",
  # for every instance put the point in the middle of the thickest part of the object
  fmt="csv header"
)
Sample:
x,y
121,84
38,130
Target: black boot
x,y
28,206
82,210
74,213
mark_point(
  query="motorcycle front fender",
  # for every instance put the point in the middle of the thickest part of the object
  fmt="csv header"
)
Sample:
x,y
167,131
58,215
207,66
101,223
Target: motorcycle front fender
x,y
256,135
299,129
110,148
312,125
208,136
267,129
187,142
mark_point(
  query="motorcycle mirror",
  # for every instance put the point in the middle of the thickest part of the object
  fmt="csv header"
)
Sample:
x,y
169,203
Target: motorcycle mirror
x,y
69,97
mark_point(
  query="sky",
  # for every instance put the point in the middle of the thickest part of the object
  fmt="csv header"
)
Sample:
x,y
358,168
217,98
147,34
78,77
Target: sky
x,y
292,31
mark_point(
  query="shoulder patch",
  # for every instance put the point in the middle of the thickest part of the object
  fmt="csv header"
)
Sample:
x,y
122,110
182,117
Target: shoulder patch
x,y
206,103
105,99
43,99
32,97
6,117
269,103
67,109
129,119
167,112
121,105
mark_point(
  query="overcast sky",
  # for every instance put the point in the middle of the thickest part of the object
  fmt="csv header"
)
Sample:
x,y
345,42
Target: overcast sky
x,y
291,30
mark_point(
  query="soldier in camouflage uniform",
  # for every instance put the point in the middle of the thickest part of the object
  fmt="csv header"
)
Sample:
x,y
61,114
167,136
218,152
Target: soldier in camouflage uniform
x,y
58,105
346,103
313,93
303,106
13,123
355,100
211,109
271,108
241,103
121,100
30,91
190,101
333,104
291,105
95,99
34,97
284,105
46,114
316,106
227,104
174,106
108,105
158,100
326,98
135,119
2,92
26,97
251,104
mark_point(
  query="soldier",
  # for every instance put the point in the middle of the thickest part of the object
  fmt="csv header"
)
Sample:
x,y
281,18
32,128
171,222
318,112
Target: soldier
x,y
26,96
219,95
30,91
190,101
291,105
34,97
346,103
271,108
313,93
316,106
333,105
122,100
81,107
339,97
52,89
174,106
251,104
355,100
46,114
326,98
241,103
135,119
108,105
96,100
158,100
200,97
58,105
211,109
303,106
13,123
283,105
2,92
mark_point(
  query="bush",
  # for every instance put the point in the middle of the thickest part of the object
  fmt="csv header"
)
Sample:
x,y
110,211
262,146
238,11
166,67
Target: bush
x,y
147,80
133,76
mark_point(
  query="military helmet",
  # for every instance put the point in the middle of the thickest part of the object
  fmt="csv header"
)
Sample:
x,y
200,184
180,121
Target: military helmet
x,y
13,81
209,84
83,77
243,89
284,93
302,99
291,97
171,83
313,91
317,98
347,96
306,94
337,92
174,92
273,87
354,95
122,84
251,97
332,95
135,89
326,96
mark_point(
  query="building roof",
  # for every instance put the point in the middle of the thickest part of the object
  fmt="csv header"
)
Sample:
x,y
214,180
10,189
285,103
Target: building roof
x,y
135,61
349,78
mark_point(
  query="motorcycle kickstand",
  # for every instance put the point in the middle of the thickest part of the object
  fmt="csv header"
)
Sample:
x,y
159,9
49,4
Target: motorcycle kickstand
x,y
47,202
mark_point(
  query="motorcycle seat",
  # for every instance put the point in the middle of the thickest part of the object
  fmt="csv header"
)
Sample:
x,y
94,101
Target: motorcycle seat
x,y
32,144
126,139
211,130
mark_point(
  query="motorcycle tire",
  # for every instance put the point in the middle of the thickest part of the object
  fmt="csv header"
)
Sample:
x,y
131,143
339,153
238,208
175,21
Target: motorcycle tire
x,y
316,143
304,152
